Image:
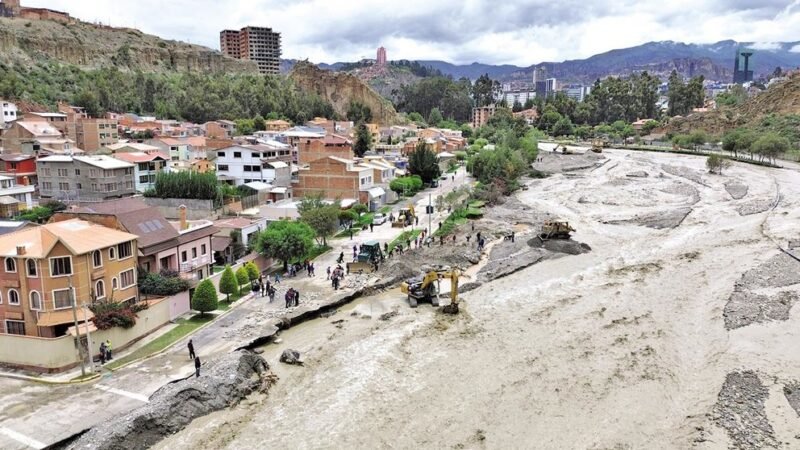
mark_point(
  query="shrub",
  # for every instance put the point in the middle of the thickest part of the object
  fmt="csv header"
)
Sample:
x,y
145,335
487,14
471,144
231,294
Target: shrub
x,y
242,277
113,314
228,283
252,271
205,297
189,185
165,283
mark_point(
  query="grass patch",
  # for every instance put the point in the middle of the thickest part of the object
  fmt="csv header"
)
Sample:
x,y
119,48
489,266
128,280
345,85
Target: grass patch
x,y
218,269
346,232
474,213
456,218
404,237
316,251
365,219
185,327
385,209
477,204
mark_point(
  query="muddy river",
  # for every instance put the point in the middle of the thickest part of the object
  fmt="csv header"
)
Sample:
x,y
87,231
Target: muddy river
x,y
628,346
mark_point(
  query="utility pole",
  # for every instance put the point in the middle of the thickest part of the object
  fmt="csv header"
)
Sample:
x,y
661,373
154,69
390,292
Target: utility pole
x,y
430,215
77,329
89,345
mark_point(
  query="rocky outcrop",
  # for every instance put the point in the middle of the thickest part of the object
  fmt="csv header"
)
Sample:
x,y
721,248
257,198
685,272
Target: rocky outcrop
x,y
222,383
292,357
339,89
90,46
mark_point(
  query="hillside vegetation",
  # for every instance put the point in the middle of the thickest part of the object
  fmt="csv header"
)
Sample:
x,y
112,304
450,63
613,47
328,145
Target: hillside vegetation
x,y
24,42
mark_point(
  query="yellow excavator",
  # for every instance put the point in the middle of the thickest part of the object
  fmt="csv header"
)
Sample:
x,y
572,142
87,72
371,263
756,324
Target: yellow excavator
x,y
405,217
598,145
426,288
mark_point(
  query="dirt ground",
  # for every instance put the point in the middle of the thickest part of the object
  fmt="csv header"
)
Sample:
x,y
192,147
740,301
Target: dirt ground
x,y
677,330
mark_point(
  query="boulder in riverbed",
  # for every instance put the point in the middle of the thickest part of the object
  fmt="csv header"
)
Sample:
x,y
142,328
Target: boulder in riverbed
x,y
292,357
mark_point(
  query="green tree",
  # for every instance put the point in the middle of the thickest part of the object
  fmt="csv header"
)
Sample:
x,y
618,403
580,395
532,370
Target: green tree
x,y
359,208
716,163
259,124
528,104
252,271
435,117
228,283
245,126
347,217
739,140
423,162
770,146
363,140
548,119
359,112
322,216
563,127
416,118
204,298
583,131
484,90
286,240
242,276
517,106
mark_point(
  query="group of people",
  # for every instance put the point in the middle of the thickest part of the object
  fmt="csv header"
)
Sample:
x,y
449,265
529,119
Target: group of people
x,y
336,276
194,357
307,265
292,297
264,287
105,351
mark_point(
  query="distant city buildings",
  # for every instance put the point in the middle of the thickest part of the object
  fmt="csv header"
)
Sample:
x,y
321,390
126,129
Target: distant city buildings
x,y
481,115
381,59
258,44
577,92
742,66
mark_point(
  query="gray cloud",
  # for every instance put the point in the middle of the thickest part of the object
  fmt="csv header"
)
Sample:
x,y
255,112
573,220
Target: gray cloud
x,y
521,32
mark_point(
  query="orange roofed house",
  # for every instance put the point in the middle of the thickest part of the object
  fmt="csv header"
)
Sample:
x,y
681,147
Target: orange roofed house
x,y
40,263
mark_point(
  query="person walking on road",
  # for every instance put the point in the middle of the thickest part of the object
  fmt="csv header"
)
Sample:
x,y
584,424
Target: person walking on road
x,y
371,226
102,353
289,297
271,293
296,298
190,346
328,271
109,356
197,367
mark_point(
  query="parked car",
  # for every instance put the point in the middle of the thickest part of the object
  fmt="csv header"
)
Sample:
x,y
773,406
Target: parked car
x,y
379,219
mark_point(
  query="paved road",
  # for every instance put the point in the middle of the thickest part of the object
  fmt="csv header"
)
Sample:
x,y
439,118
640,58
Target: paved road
x,y
35,415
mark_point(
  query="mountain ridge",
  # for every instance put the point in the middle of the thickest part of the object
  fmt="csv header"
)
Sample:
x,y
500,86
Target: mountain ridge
x,y
714,61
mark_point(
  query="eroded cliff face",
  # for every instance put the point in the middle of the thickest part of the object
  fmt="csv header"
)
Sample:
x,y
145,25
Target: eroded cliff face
x,y
340,88
90,46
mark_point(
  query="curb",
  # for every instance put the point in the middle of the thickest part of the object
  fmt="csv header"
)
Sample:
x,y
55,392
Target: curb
x,y
165,349
98,375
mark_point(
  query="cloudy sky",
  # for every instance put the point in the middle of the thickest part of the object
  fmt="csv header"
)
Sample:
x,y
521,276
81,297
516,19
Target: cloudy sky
x,y
521,32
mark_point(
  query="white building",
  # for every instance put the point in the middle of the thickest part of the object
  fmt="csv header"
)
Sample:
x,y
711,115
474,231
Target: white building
x,y
10,188
268,162
145,167
520,96
577,92
8,113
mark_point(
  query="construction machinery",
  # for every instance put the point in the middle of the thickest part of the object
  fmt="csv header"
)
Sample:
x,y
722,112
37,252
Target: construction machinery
x,y
598,145
368,258
405,217
426,288
555,229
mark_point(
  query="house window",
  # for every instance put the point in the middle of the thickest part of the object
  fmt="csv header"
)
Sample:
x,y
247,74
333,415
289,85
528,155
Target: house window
x,y
63,186
194,252
222,167
36,301
237,154
203,249
124,250
77,171
60,267
46,185
15,327
62,299
46,171
112,253
126,279
11,265
100,289
97,259
114,284
200,274
220,154
143,178
32,271
78,186
183,256
63,172
247,169
13,297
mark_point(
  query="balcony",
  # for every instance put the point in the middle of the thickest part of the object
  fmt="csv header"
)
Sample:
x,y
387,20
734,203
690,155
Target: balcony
x,y
188,270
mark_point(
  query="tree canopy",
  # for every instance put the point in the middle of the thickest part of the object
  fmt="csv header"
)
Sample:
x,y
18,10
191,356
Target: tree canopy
x,y
286,240
228,284
363,140
423,162
204,298
321,216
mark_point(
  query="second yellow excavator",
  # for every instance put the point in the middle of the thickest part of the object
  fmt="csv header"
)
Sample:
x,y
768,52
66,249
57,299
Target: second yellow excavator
x,y
426,288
